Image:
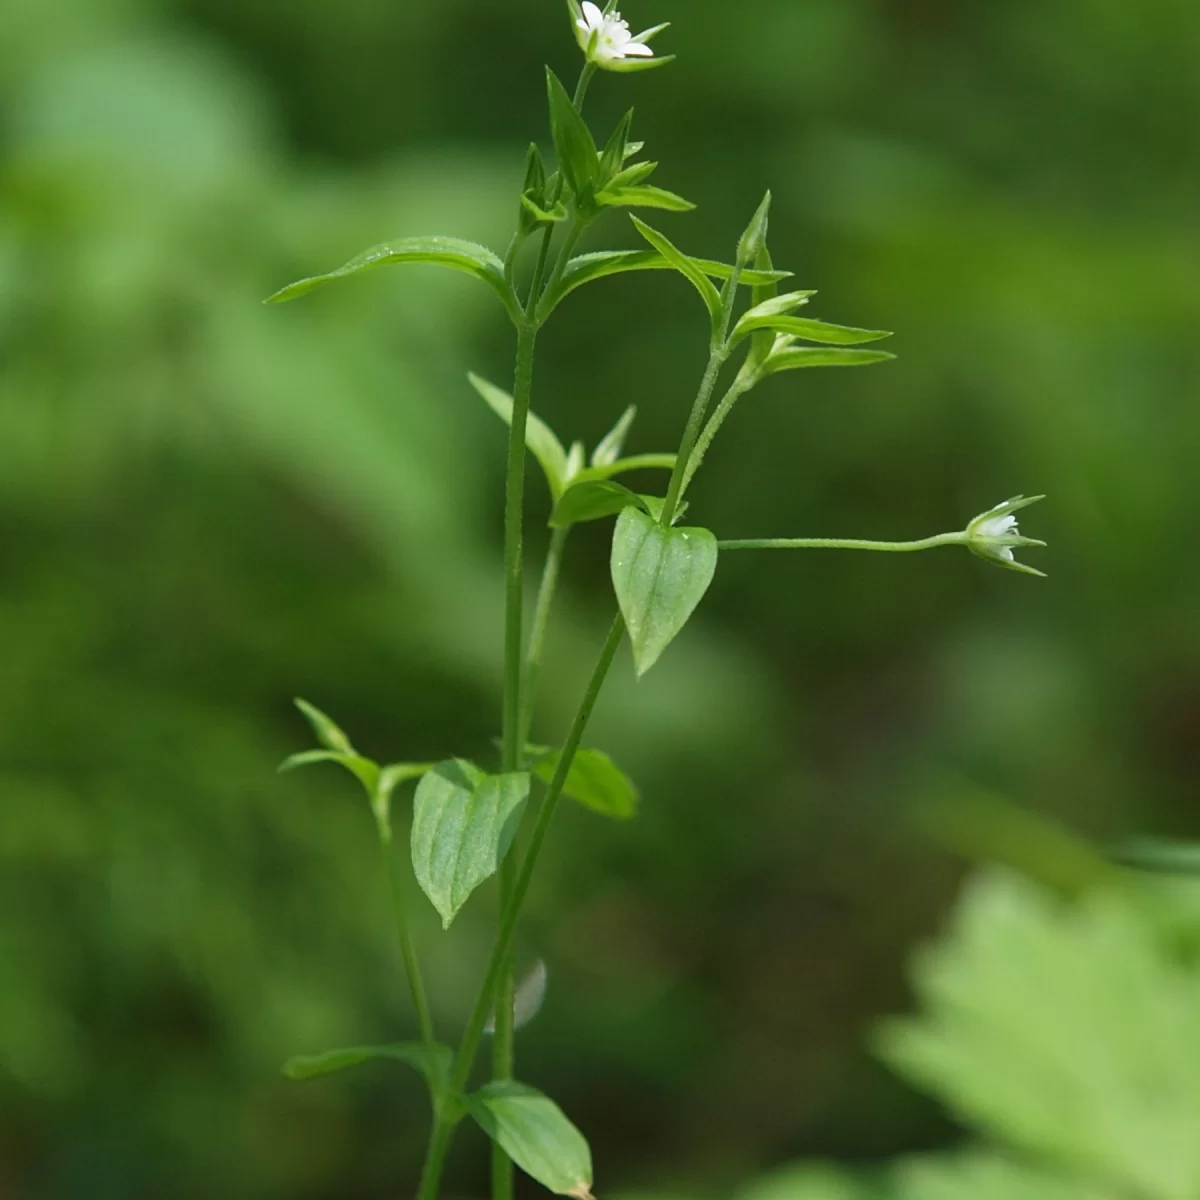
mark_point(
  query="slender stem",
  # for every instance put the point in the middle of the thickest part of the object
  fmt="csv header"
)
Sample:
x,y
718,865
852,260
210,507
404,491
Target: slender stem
x,y
585,77
412,968
440,1138
541,623
929,543
716,360
737,390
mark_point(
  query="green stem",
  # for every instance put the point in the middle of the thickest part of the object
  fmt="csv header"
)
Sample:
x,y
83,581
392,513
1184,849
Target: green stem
x,y
585,77
929,543
716,360
412,968
439,1143
737,390
541,623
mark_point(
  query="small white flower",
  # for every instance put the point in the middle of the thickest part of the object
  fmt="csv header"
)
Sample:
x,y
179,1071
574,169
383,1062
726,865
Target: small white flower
x,y
993,534
606,38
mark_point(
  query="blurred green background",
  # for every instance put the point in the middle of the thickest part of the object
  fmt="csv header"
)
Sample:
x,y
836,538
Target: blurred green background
x,y
207,507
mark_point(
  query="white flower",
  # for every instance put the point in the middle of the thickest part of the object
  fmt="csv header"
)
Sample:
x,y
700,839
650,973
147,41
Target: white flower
x,y
605,38
993,534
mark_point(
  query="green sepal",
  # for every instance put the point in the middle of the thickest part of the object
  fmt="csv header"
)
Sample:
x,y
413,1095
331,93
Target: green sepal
x,y
433,1062
643,197
536,1134
455,253
578,158
691,269
660,575
627,66
540,439
464,821
594,780
787,358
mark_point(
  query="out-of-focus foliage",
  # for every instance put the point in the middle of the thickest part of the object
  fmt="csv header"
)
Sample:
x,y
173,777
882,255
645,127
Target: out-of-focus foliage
x,y
207,507
1063,1032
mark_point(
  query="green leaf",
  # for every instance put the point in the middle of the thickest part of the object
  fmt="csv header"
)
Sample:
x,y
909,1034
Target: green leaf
x,y
535,1133
636,462
613,156
1067,1031
765,298
541,216
632,175
767,306
328,732
609,448
539,437
802,327
363,769
577,155
463,824
585,268
591,500
690,269
643,197
793,359
660,575
391,777
983,1175
444,251
754,240
434,1062
594,780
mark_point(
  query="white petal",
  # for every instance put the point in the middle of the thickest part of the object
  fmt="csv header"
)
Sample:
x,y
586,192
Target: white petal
x,y
638,50
593,15
1005,553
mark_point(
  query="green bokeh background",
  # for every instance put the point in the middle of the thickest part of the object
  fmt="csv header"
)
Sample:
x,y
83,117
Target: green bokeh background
x,y
207,507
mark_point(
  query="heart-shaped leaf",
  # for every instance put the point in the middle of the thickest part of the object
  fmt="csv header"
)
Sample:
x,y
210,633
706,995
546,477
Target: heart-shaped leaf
x,y
660,575
536,1134
463,825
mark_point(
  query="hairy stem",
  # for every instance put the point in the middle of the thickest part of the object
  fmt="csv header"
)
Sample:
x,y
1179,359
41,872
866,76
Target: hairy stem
x,y
737,390
929,543
716,360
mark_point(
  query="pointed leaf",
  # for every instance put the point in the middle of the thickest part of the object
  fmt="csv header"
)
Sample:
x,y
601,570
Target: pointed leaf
x,y
610,446
613,155
660,575
812,331
363,769
636,462
536,1134
328,732
594,780
691,270
434,1062
463,825
591,500
586,267
643,197
632,175
444,251
767,308
577,156
792,359
539,437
